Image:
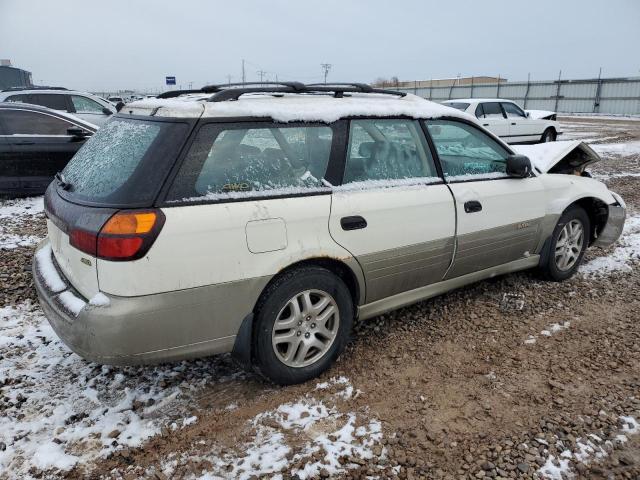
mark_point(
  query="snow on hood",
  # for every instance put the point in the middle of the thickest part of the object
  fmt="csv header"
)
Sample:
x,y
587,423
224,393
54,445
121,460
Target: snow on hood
x,y
296,107
535,114
544,156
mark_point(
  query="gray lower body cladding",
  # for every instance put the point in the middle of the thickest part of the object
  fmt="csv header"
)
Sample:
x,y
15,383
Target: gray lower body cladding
x,y
400,269
496,246
153,328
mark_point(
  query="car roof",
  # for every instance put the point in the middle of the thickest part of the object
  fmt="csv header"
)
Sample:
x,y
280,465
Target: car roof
x,y
478,100
37,108
289,107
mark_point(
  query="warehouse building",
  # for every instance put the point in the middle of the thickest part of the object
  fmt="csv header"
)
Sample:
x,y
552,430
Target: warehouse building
x,y
13,77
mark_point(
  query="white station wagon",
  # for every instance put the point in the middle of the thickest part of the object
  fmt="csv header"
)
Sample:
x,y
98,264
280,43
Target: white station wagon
x,y
264,220
508,121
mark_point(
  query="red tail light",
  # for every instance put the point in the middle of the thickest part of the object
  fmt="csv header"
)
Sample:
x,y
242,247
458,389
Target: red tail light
x,y
127,235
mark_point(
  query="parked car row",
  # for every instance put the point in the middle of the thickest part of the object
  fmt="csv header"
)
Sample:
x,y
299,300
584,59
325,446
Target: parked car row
x,y
263,220
85,106
508,121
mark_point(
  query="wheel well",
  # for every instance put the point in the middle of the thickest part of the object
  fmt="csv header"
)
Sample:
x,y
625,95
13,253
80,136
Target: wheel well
x,y
335,266
598,213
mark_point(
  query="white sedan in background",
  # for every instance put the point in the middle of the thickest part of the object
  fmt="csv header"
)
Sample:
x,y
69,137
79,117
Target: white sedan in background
x,y
508,121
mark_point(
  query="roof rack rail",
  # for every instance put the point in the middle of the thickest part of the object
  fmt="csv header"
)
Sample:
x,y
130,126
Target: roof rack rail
x,y
260,86
233,91
33,87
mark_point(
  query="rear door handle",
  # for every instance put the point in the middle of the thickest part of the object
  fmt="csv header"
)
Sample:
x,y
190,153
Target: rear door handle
x,y
472,206
355,222
485,124
513,123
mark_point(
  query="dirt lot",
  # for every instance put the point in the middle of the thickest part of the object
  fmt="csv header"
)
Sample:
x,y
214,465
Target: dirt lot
x,y
508,378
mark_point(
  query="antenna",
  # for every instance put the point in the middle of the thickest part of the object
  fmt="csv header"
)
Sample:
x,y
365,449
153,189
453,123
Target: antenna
x,y
326,67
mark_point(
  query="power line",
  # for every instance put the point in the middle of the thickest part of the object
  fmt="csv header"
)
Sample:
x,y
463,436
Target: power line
x,y
326,67
262,73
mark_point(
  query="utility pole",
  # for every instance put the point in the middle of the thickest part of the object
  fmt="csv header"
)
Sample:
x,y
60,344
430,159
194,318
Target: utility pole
x,y
262,73
228,79
244,79
326,67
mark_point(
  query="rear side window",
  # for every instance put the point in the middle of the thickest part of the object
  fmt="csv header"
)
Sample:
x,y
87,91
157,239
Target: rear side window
x,y
22,122
54,100
387,149
85,105
18,98
513,111
489,110
462,106
245,162
125,162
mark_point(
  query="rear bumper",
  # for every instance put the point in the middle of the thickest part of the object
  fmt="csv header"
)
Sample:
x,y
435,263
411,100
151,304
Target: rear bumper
x,y
614,226
152,328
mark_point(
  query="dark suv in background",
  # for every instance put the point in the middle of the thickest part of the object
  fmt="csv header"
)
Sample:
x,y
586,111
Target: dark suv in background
x,y
35,143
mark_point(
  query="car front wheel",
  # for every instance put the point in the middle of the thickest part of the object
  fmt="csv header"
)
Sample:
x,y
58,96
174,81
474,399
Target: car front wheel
x,y
549,135
303,322
569,241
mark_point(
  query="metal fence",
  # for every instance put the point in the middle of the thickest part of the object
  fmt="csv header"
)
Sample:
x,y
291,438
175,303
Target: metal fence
x,y
619,96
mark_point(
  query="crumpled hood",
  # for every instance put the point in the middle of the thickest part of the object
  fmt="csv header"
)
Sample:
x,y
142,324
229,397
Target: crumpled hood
x,y
545,156
535,114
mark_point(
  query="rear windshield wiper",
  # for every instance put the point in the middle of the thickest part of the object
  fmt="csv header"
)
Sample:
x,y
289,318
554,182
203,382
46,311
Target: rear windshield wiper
x,y
62,182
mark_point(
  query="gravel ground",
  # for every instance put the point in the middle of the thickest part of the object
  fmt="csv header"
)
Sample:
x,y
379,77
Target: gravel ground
x,y
509,378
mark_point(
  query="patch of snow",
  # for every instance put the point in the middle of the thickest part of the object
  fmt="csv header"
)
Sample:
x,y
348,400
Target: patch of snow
x,y
327,433
587,450
71,302
545,155
22,207
400,182
476,176
99,300
47,269
548,331
623,148
555,468
620,260
9,241
60,410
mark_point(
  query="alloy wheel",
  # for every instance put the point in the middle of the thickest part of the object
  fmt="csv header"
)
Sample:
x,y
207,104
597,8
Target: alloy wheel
x,y
305,328
569,245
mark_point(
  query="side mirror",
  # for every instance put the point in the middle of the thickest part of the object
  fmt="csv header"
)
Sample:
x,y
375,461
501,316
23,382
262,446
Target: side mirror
x,y
518,166
106,111
77,133
119,106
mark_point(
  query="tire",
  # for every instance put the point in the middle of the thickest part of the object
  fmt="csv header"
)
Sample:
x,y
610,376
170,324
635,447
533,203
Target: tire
x,y
562,263
305,342
549,135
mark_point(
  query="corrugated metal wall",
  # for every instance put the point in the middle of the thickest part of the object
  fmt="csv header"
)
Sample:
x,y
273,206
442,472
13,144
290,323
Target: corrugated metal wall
x,y
606,95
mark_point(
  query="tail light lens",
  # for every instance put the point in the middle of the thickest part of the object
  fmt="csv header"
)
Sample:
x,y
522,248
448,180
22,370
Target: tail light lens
x,y
127,235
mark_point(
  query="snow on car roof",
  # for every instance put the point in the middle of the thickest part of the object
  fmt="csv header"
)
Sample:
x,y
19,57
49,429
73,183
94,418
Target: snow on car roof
x,y
475,100
296,107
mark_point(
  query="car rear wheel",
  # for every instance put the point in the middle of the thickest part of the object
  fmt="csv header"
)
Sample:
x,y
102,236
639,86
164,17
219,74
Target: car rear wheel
x,y
569,241
303,322
549,135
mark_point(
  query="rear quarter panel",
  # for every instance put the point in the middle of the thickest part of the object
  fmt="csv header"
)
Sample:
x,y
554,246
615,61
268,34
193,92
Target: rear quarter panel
x,y
203,245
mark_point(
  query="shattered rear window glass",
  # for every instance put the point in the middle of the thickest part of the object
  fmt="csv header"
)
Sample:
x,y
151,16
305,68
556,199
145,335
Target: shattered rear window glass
x,y
241,162
114,165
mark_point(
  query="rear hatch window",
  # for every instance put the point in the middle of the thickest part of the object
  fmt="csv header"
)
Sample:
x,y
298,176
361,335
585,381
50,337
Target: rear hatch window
x,y
124,163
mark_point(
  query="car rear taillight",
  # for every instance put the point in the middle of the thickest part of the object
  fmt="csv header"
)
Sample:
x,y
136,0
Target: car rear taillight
x,y
127,235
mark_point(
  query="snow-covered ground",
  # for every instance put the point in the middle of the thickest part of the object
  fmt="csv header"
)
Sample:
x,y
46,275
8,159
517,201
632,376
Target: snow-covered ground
x,y
14,213
61,411
625,252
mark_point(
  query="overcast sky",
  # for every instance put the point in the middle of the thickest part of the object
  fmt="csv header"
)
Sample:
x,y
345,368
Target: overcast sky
x,y
108,45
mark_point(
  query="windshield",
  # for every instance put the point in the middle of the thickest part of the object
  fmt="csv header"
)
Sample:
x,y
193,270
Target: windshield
x,y
458,105
125,162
